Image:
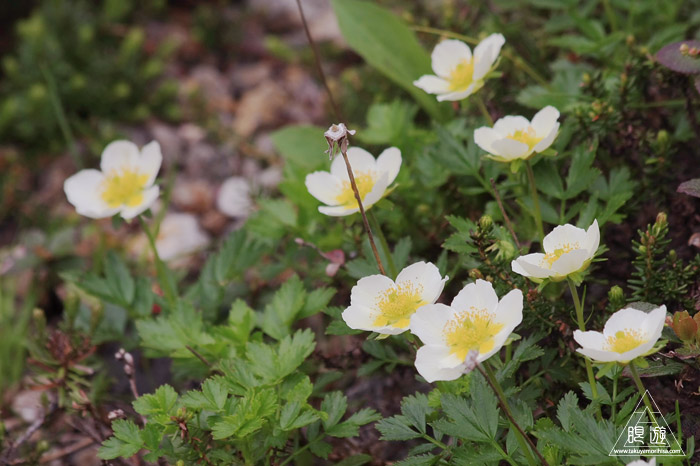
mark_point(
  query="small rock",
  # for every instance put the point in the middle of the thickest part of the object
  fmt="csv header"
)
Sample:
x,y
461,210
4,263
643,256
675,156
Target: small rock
x,y
192,195
234,198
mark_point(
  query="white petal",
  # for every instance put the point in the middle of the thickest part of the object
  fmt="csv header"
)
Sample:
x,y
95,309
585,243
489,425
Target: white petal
x,y
627,318
150,160
234,198
360,160
599,355
545,120
565,235
119,154
548,140
447,55
432,84
592,238
337,211
510,309
368,289
359,318
479,295
570,262
485,54
324,187
590,339
83,190
428,276
179,235
428,360
654,323
498,340
389,162
428,323
509,124
149,197
459,95
529,266
484,138
510,149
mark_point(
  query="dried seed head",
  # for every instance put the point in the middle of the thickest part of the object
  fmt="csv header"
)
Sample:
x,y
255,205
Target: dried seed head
x,y
337,136
116,414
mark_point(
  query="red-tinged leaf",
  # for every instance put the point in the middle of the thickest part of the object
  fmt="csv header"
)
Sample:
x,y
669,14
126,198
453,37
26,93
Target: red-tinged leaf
x,y
671,57
690,187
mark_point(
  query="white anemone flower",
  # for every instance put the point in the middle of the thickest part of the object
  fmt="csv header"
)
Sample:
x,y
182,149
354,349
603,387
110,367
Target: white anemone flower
x,y
515,137
123,185
372,177
179,235
380,304
458,74
475,321
628,334
567,250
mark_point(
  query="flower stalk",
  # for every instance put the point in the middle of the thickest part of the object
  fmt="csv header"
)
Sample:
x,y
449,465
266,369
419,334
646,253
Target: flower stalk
x,y
535,200
521,436
642,392
385,245
582,326
161,269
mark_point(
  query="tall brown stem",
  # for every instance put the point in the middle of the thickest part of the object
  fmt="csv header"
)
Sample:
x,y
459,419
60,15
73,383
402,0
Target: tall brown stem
x,y
362,210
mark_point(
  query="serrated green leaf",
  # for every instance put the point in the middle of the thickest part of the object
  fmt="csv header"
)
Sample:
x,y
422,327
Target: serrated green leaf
x,y
396,428
334,404
162,401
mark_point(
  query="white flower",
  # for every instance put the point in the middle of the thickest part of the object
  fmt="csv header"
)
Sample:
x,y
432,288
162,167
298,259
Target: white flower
x,y
628,333
475,321
651,462
179,235
380,304
515,137
372,177
124,185
568,249
458,73
234,198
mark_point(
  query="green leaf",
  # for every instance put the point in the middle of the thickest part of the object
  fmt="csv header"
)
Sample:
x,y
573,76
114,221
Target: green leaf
x,y
355,460
334,404
119,278
241,320
126,441
415,408
396,428
386,43
294,416
302,145
388,123
280,313
316,301
159,402
294,350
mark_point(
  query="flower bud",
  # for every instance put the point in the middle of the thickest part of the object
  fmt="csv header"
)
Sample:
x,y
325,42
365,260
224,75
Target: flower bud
x,y
616,297
485,221
662,137
661,218
684,326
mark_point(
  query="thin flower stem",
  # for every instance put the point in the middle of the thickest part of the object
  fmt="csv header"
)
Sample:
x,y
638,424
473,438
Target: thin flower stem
x,y
642,392
443,32
483,109
362,212
535,200
505,215
385,245
161,268
613,407
582,326
521,436
317,60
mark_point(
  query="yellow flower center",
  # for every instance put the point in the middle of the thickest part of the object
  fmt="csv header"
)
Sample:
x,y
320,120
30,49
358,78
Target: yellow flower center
x,y
471,330
364,182
625,340
123,187
551,257
398,303
526,136
462,76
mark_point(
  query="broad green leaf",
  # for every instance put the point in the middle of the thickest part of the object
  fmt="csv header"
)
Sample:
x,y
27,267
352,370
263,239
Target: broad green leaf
x,y
396,428
302,145
389,45
126,441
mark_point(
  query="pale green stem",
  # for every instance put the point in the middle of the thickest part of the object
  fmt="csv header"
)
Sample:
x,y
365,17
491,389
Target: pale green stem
x,y
385,245
642,392
161,268
483,109
582,326
535,200
614,397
